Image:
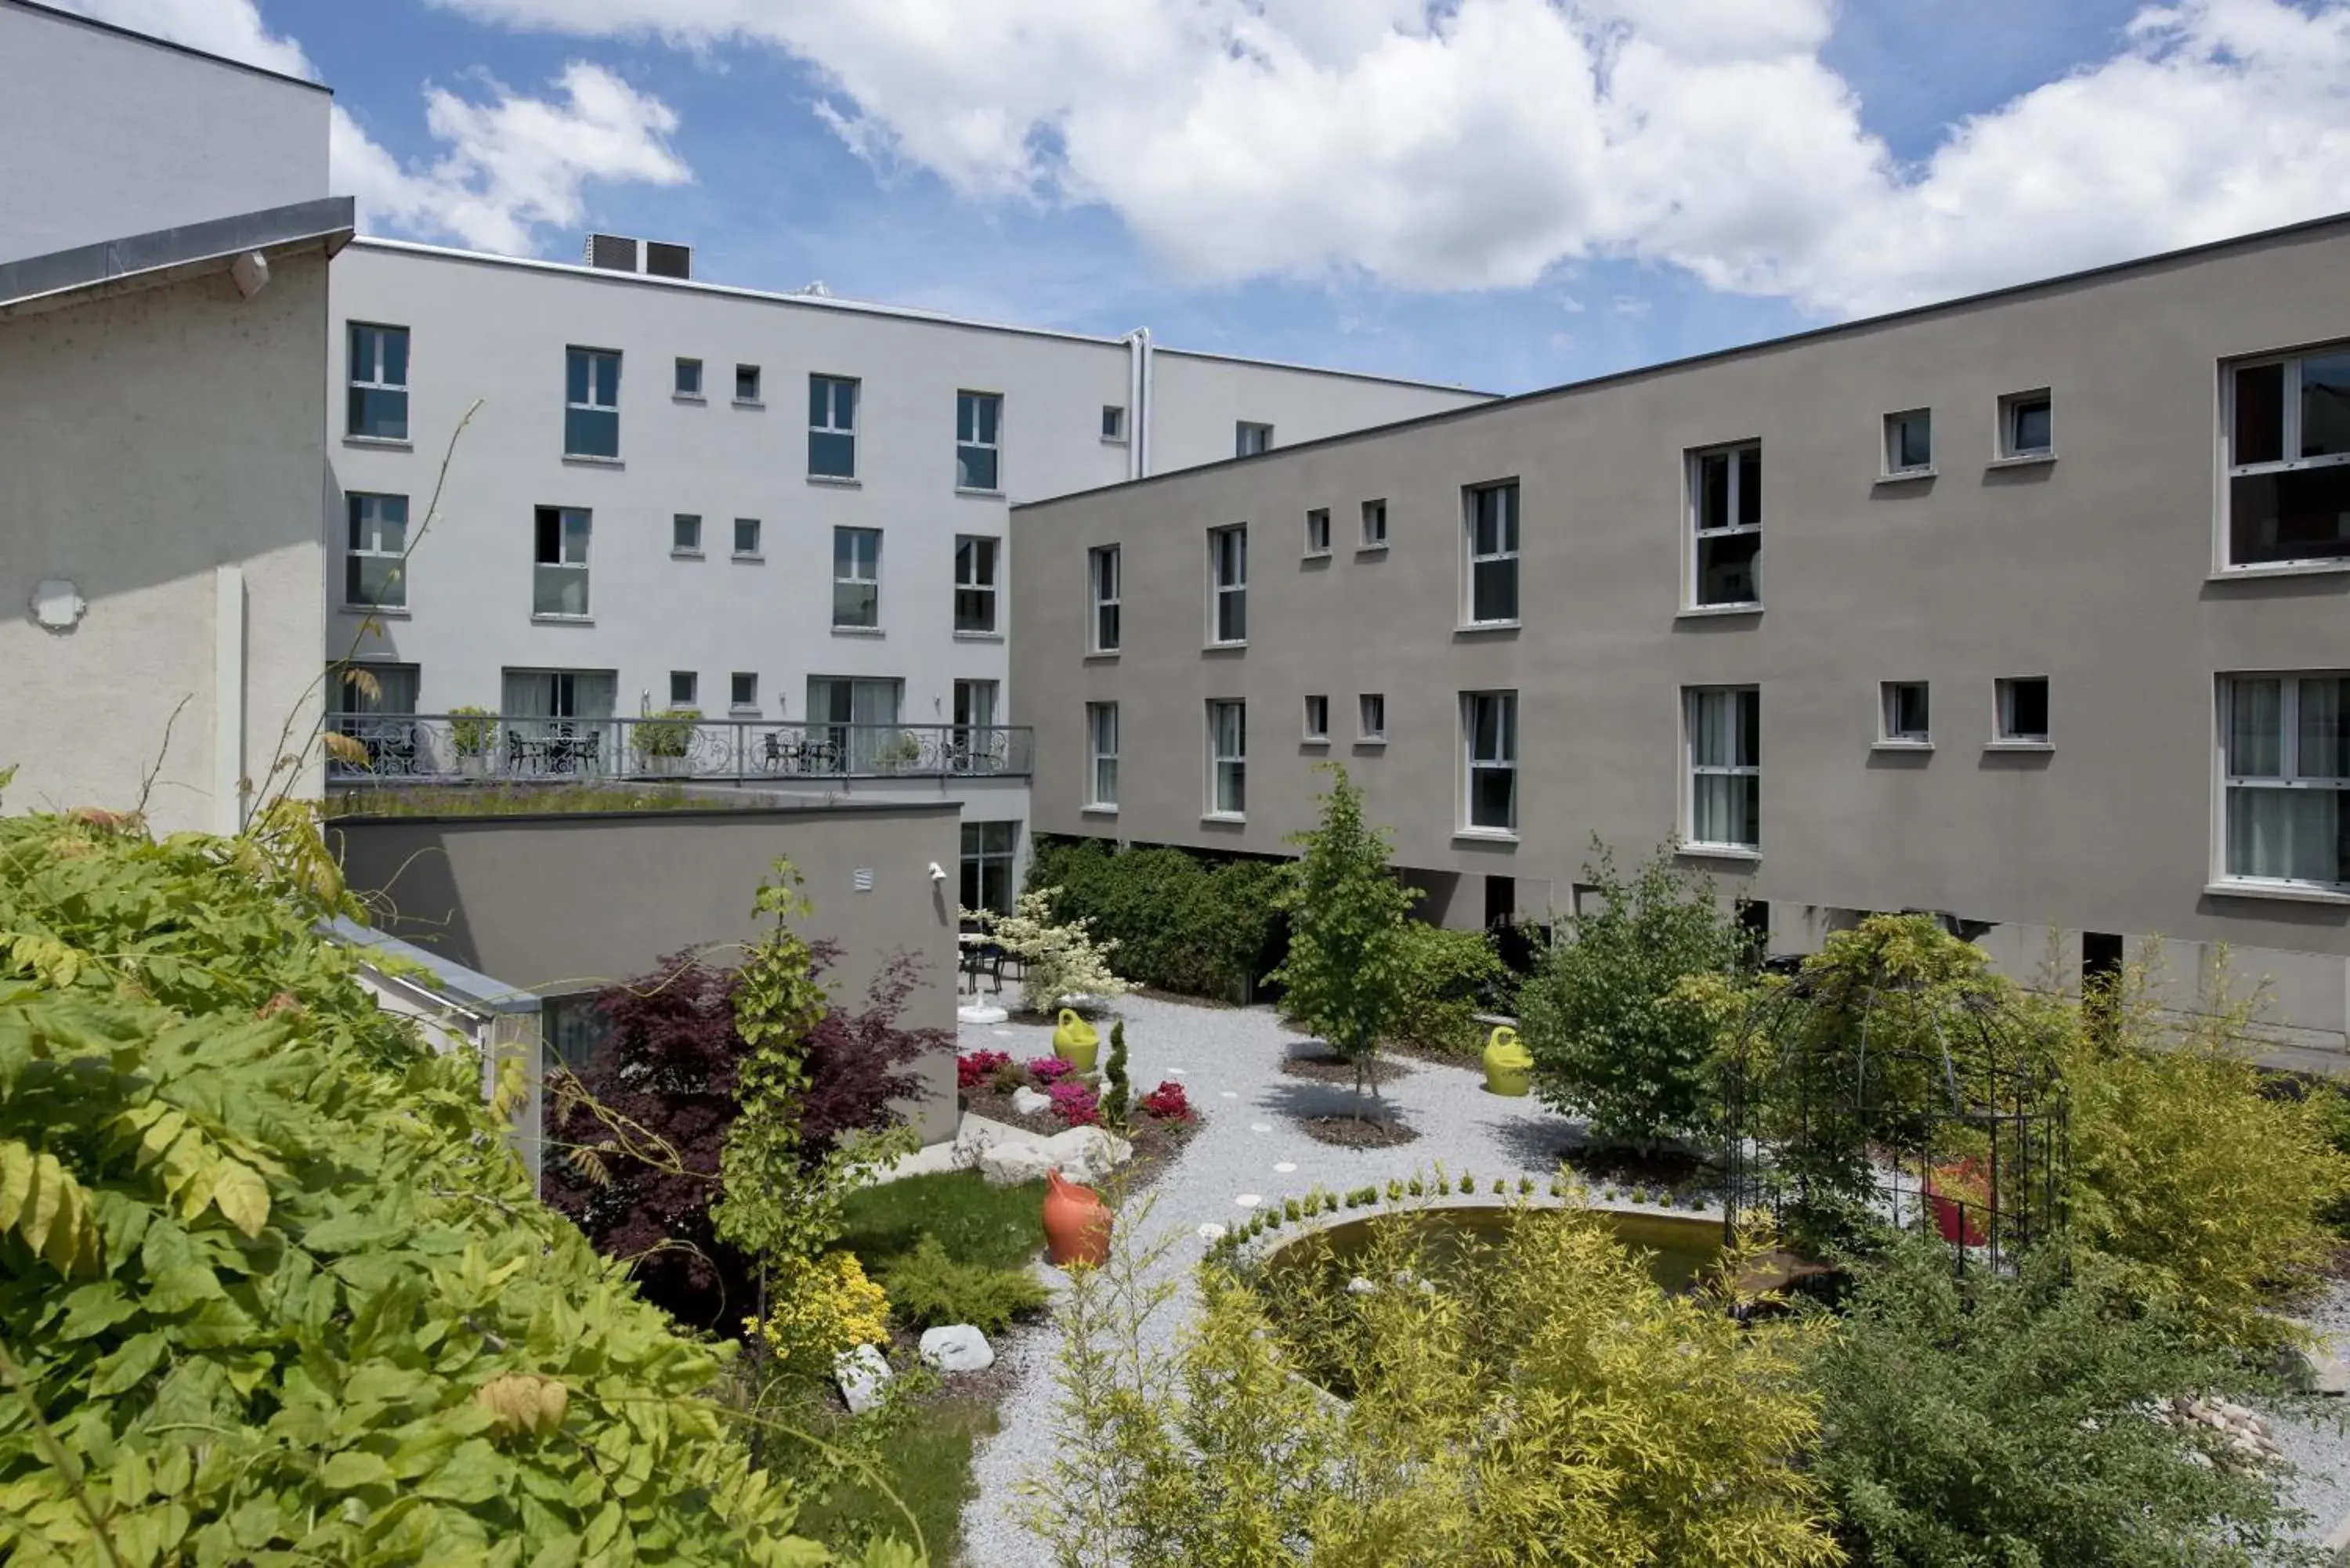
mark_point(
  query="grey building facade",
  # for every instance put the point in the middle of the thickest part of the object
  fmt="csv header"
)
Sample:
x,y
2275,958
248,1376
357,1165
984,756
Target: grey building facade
x,y
2032,608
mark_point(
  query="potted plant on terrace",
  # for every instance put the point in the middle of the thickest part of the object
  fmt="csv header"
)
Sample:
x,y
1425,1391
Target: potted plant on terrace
x,y
471,733
899,753
660,742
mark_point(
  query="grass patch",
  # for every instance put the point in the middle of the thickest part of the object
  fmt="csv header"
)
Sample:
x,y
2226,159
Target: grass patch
x,y
927,1464
1002,1227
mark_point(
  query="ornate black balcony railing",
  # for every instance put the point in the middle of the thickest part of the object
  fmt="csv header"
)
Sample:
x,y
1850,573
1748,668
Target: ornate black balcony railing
x,y
448,747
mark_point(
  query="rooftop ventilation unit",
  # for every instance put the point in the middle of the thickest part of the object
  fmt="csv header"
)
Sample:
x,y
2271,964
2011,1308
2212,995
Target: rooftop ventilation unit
x,y
618,253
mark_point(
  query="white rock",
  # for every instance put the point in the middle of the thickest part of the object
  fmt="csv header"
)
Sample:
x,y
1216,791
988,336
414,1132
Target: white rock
x,y
1009,1163
970,1143
957,1348
1087,1154
1211,1232
862,1373
1359,1286
1029,1101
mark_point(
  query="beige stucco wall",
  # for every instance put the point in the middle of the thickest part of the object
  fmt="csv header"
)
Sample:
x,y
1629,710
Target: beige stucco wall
x,y
565,903
146,440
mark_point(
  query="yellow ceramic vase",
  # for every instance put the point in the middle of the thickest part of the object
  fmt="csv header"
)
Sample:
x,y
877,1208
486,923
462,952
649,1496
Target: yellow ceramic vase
x,y
1074,1041
1509,1070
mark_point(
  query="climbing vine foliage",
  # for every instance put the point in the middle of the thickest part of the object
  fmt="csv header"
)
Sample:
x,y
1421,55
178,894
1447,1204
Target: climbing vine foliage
x,y
273,1287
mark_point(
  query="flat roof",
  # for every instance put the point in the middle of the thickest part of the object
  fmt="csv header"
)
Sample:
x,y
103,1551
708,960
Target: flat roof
x,y
869,307
168,255
120,32
1719,355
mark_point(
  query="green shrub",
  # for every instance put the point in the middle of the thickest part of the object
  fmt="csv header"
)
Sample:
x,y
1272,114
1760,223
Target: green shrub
x,y
927,1289
1447,977
1118,1093
1183,923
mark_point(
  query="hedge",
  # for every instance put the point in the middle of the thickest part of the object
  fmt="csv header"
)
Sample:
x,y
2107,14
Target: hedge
x,y
1183,923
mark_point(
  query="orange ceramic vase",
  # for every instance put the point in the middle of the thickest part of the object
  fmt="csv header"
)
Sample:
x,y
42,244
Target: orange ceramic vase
x,y
1076,1223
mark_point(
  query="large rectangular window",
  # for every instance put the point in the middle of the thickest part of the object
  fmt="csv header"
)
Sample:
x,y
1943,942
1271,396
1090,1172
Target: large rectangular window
x,y
1227,759
2286,758
367,687
832,427
974,599
1103,580
853,723
978,421
2289,459
592,410
989,849
1493,518
1726,496
1725,760
1489,736
373,575
559,578
856,577
378,408
1101,754
1228,584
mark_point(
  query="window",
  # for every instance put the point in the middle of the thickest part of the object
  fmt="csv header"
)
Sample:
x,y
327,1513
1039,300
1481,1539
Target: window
x,y
988,851
857,721
684,688
1727,486
974,599
367,687
1902,708
978,418
372,573
1317,531
1248,439
1488,732
1910,442
1113,425
1371,716
559,580
1227,582
746,383
1227,759
2287,765
1317,717
746,538
1102,573
2027,426
977,746
856,577
2289,459
1101,755
576,694
685,533
832,427
689,378
1375,525
379,394
591,414
1725,754
1493,554
742,690
2024,710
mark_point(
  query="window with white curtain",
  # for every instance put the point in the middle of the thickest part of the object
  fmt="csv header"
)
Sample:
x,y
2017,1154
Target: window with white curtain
x,y
1726,505
1227,759
2286,745
1228,584
2288,428
1489,736
1725,761
1101,746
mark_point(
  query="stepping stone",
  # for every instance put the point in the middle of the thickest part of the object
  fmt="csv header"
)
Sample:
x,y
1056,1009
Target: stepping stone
x,y
1211,1232
1260,1126
1248,1200
1284,1168
1227,1095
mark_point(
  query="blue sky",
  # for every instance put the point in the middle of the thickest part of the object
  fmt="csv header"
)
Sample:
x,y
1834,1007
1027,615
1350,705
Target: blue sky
x,y
1769,165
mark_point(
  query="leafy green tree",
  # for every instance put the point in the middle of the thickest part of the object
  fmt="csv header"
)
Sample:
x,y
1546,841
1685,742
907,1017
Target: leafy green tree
x,y
1618,1034
1347,975
1985,1421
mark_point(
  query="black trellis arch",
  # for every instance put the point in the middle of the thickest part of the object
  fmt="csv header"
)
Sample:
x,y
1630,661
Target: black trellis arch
x,y
1897,1084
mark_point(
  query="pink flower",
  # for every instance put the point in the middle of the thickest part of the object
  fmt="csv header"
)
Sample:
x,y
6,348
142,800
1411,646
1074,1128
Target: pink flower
x,y
1076,1104
1048,1070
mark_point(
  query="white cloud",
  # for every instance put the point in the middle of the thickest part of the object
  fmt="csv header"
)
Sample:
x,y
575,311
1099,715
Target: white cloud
x,y
510,166
1482,142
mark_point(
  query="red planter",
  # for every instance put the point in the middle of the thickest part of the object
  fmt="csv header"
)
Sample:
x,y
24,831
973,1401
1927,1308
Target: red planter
x,y
1076,1223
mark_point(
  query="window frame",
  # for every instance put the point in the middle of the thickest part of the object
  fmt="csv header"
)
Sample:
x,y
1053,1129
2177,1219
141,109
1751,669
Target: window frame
x,y
1733,506
1096,600
1889,733
2290,437
696,393
973,863
735,701
354,551
757,398
1317,718
993,449
2287,778
1692,770
2003,731
757,552
1317,531
1366,732
1376,509
1507,552
1250,438
582,566
1224,595
1218,761
1096,755
2010,411
829,431
355,389
872,581
1473,765
596,360
1113,425
1895,423
692,679
678,543
968,551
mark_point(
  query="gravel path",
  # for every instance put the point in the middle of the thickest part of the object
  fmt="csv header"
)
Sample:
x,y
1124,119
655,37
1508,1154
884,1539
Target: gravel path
x,y
2319,1450
1228,1060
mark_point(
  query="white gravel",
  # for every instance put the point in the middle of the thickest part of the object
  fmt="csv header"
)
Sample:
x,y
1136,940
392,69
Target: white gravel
x,y
2319,1448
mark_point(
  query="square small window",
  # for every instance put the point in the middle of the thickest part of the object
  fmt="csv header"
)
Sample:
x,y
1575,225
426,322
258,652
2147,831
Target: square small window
x,y
685,534
1371,716
2027,425
684,686
1904,714
1317,531
1375,525
1910,442
1317,717
746,383
1249,440
1113,425
2024,710
742,690
746,536
689,378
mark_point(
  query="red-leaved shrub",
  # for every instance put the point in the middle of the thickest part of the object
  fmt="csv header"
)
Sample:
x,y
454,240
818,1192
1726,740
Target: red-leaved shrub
x,y
975,1069
1168,1103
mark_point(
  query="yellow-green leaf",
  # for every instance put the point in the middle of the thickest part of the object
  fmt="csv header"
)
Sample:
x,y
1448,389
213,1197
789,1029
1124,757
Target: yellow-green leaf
x,y
124,1368
16,1182
48,1197
353,1468
241,1197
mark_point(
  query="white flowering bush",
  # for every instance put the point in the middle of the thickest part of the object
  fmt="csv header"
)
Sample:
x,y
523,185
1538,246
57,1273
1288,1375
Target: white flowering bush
x,y
1057,961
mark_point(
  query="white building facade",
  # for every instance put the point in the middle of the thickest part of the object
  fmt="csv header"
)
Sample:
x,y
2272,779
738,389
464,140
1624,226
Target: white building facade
x,y
787,513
